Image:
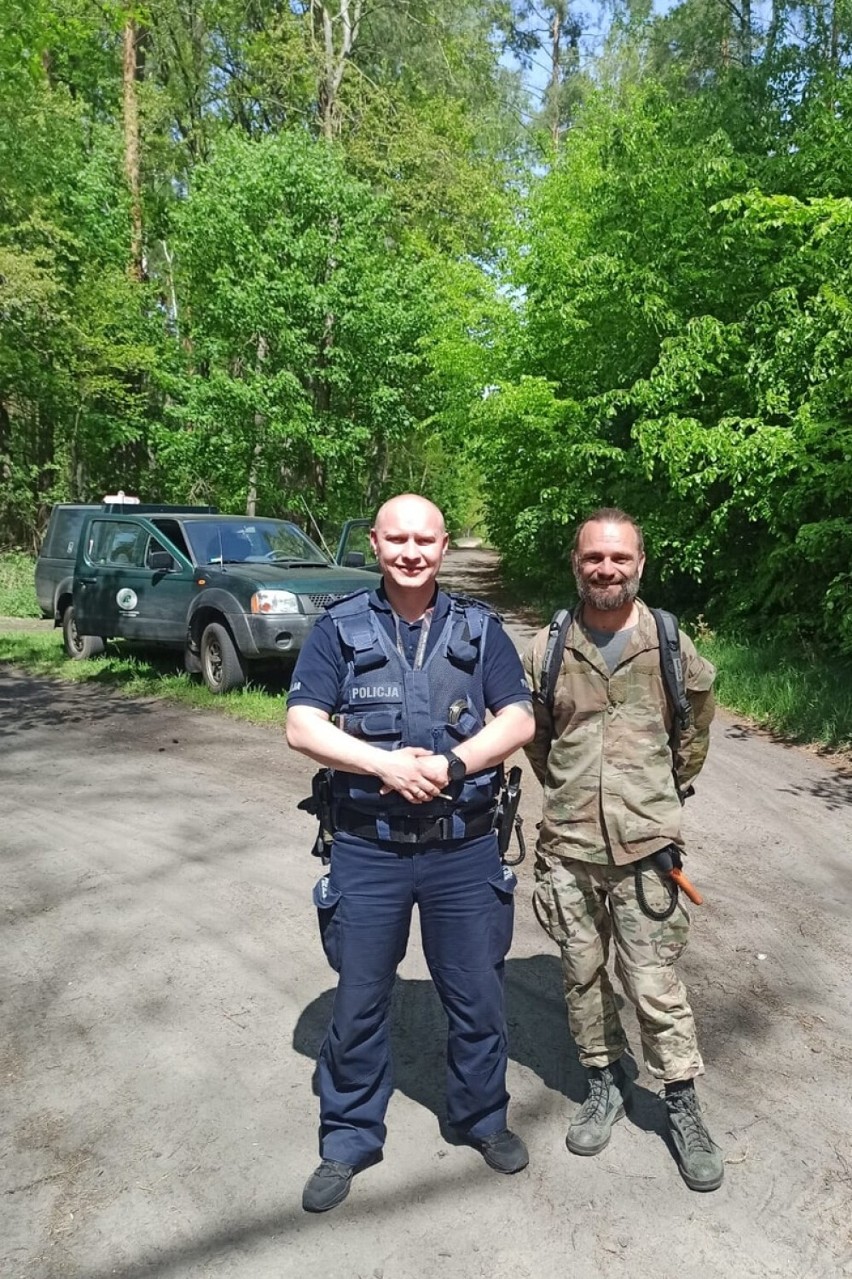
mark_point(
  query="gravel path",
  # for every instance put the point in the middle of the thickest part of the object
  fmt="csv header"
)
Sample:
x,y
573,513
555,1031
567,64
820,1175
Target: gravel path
x,y
164,998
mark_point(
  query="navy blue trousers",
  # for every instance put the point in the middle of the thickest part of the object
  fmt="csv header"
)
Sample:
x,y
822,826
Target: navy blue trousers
x,y
466,904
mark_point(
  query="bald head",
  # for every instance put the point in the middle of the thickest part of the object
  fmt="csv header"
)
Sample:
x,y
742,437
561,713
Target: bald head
x,y
410,510
409,541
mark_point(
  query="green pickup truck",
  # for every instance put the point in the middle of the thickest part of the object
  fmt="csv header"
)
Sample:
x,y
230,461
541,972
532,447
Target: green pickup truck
x,y
227,590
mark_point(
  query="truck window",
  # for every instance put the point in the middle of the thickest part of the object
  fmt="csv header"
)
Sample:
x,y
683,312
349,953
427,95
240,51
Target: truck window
x,y
64,532
116,545
174,533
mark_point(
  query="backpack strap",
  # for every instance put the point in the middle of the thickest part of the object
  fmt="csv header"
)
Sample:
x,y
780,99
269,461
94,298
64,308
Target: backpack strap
x,y
671,665
671,668
555,647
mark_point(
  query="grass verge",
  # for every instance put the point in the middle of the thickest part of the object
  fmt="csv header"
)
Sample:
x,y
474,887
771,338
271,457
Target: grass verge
x,y
798,696
804,699
148,676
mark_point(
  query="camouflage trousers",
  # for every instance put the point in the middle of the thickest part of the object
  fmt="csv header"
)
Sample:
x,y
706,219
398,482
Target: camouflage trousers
x,y
584,906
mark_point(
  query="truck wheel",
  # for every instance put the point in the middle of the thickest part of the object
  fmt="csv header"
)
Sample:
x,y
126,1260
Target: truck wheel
x,y
78,647
221,665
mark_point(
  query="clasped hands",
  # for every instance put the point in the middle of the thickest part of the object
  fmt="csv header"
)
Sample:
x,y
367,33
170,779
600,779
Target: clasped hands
x,y
414,773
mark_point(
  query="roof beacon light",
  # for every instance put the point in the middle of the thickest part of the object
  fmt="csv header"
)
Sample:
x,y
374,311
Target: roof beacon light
x,y
121,499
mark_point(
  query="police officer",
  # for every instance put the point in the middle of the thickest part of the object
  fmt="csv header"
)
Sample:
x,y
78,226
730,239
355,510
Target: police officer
x,y
603,753
390,691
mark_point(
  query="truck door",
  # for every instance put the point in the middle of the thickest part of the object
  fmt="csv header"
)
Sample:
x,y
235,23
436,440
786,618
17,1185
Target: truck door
x,y
354,549
122,590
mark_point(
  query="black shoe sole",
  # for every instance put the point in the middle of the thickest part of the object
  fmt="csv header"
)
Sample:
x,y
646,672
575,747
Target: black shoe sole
x,y
326,1207
509,1172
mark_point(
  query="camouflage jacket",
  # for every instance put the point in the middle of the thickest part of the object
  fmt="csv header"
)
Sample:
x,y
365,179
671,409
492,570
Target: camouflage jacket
x,y
604,756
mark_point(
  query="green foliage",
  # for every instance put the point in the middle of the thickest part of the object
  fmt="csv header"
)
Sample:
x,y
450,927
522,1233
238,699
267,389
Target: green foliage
x,y
682,351
789,690
277,346
17,585
305,309
381,266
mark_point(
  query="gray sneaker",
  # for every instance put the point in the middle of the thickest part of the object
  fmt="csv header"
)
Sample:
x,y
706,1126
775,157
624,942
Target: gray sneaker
x,y
327,1186
592,1125
698,1156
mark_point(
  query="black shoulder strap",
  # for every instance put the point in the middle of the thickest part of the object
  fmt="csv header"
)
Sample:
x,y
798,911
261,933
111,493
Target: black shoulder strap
x,y
462,600
553,651
671,665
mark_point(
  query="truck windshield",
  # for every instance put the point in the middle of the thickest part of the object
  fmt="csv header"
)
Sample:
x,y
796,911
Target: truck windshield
x,y
251,541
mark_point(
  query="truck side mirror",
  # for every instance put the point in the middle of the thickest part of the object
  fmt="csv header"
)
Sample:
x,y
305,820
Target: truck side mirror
x,y
354,559
160,562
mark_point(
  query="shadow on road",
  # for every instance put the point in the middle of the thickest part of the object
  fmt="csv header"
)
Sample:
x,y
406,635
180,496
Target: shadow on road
x,y
538,1038
835,792
835,789
38,703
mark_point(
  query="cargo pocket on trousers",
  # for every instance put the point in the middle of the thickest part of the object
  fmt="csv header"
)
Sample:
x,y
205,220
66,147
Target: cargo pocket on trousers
x,y
504,883
667,937
327,901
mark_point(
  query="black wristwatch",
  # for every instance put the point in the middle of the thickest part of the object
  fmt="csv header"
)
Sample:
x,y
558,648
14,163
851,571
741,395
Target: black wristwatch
x,y
456,768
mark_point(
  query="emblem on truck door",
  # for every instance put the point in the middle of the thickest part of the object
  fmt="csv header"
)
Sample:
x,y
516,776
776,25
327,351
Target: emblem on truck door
x,y
126,599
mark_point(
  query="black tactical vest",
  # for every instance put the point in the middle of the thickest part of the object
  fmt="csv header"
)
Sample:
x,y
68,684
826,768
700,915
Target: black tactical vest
x,y
387,703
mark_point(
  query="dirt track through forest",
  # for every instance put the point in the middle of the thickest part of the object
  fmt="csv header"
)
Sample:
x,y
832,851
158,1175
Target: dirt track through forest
x,y
165,996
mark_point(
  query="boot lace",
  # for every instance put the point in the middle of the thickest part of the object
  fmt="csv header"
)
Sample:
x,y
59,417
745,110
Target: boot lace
x,y
598,1099
685,1110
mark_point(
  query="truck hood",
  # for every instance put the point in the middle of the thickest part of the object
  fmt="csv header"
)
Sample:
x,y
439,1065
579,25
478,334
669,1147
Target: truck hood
x,y
301,581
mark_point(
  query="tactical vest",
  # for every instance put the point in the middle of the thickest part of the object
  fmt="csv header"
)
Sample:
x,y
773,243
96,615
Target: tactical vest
x,y
390,705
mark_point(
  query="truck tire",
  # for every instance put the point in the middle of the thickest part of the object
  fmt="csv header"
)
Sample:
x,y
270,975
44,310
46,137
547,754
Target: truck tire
x,y
221,665
78,647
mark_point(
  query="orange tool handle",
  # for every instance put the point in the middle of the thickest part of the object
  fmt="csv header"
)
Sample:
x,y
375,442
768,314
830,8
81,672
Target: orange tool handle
x,y
685,886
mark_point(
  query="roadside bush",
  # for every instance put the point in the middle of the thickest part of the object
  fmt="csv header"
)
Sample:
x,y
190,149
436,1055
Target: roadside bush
x,y
17,585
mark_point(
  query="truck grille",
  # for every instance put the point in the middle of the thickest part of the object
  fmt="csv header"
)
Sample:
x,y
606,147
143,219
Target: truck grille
x,y
319,601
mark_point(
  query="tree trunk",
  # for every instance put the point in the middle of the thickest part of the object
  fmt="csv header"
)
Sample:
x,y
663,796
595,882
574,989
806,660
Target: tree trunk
x,y
336,33
259,428
132,72
555,82
251,498
319,383
746,32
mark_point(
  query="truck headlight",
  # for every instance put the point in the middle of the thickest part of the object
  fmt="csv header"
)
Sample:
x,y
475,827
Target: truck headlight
x,y
274,602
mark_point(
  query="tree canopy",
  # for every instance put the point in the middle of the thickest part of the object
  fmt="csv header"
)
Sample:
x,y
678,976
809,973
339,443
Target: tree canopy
x,y
524,257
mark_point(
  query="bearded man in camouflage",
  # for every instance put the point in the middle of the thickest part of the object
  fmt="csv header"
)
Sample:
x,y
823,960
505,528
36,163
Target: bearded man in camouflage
x,y
603,754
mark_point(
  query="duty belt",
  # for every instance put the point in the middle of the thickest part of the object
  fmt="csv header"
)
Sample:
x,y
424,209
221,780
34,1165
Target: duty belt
x,y
413,830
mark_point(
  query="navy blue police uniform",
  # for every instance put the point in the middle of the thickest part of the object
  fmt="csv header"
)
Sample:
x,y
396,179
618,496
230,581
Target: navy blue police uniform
x,y
426,683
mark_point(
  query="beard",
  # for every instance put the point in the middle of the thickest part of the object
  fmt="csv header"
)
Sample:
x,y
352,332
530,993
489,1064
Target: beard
x,y
604,598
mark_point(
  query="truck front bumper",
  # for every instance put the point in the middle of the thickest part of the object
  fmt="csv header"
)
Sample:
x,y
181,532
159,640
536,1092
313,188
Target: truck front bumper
x,y
271,635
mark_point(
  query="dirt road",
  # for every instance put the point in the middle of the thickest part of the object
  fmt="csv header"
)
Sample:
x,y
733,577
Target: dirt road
x,y
164,998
